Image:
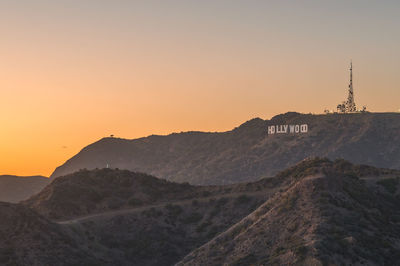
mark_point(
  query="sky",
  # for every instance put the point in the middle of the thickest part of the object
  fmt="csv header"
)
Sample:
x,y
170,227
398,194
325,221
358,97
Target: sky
x,y
72,72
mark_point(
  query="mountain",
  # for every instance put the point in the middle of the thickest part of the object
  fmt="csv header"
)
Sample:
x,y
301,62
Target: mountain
x,y
318,212
15,188
138,219
331,214
87,192
248,153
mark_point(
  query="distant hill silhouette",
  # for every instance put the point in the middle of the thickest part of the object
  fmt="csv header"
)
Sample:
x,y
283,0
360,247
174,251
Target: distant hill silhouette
x,y
17,188
247,153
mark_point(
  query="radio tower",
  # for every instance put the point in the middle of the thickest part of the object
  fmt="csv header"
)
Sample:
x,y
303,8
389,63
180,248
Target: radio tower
x,y
350,104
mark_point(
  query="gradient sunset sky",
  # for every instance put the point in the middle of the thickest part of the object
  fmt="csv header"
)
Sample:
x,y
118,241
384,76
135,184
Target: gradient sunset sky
x,y
72,72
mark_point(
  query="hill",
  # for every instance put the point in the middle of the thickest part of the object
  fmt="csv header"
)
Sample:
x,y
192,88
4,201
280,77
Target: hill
x,y
248,153
163,234
332,213
16,188
318,212
146,220
30,239
88,192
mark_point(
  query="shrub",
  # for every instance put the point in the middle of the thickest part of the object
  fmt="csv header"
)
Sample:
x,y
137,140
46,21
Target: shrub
x,y
247,260
215,211
7,256
222,201
278,251
206,193
213,231
242,199
390,184
135,202
300,251
288,203
174,210
192,218
152,212
203,226
115,203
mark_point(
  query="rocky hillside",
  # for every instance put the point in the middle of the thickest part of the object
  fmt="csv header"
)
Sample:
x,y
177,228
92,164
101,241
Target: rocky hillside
x,y
16,188
247,153
333,213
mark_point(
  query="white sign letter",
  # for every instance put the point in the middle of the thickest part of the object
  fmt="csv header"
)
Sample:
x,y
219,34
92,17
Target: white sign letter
x,y
304,128
271,129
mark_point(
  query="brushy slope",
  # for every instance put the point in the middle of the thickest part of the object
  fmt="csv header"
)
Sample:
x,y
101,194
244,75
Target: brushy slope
x,y
30,239
96,191
329,215
246,153
318,212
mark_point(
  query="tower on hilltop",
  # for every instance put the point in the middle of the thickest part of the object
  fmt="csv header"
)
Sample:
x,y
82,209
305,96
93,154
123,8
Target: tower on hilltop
x,y
348,106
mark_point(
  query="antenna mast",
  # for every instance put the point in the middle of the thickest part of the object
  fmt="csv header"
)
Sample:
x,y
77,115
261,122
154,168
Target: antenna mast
x,y
350,104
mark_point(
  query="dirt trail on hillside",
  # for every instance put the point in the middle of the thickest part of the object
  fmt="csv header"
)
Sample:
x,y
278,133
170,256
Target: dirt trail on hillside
x,y
162,204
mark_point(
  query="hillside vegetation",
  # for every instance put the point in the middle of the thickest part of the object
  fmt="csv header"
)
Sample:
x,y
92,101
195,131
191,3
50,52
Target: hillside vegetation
x,y
247,153
328,215
96,191
30,239
143,220
317,212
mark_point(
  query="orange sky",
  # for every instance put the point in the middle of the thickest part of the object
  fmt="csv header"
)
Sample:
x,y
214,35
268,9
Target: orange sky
x,y
74,72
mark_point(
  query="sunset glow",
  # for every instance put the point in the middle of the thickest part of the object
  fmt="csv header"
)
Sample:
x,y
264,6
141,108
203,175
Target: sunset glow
x,y
71,74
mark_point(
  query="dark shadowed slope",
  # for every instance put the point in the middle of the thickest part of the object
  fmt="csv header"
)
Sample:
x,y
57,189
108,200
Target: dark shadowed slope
x,y
247,153
331,214
89,192
149,221
95,191
318,212
16,188
164,234
30,239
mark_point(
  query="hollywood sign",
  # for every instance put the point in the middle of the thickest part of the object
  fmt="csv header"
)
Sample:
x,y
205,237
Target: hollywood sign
x,y
287,129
